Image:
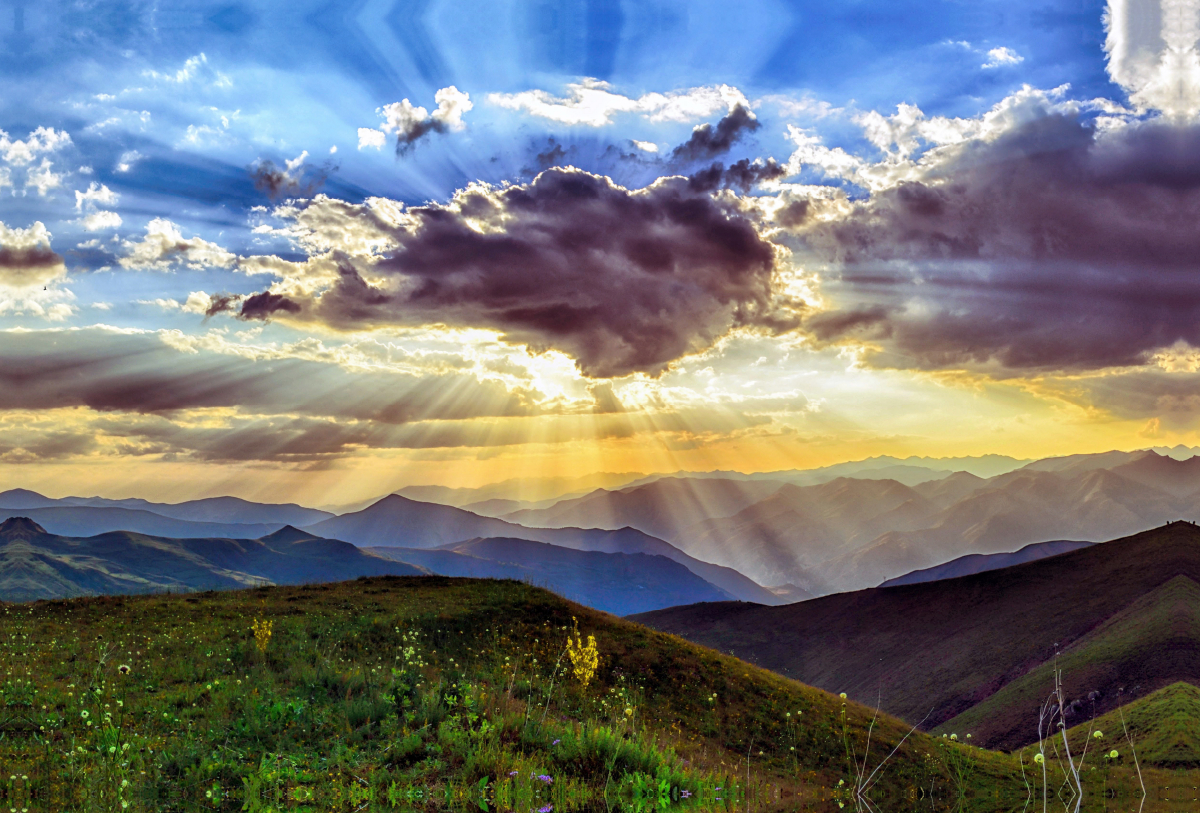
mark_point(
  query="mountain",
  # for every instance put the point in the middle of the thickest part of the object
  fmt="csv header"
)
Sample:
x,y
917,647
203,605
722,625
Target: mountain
x,y
218,510
788,536
75,520
980,563
35,563
979,650
397,521
619,583
663,508
851,533
528,489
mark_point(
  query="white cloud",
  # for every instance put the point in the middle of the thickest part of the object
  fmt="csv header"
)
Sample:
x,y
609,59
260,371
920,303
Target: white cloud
x,y
40,141
97,194
127,160
593,103
371,138
645,146
1002,57
409,122
99,221
165,304
197,302
913,144
43,178
190,70
1152,53
164,246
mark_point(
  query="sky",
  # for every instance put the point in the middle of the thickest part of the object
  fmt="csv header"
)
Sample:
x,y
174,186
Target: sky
x,y
314,251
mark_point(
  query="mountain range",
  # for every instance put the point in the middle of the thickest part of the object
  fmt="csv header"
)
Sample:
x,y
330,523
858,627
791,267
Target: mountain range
x,y
850,533
768,538
35,563
397,521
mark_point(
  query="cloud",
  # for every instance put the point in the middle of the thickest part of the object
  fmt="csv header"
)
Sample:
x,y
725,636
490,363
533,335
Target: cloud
x,y
593,103
100,221
741,175
1152,53
164,246
1002,58
1054,246
295,180
26,258
708,142
43,178
621,281
368,137
410,123
41,141
97,194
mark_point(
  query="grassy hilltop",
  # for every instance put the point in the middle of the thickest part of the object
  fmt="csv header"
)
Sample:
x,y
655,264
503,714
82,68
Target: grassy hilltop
x,y
394,691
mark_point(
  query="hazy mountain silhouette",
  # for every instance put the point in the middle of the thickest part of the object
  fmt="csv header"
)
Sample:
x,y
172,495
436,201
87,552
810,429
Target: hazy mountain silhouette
x,y
619,583
219,510
35,563
397,521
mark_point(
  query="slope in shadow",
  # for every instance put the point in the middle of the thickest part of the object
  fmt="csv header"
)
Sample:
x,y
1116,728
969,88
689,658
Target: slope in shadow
x,y
950,645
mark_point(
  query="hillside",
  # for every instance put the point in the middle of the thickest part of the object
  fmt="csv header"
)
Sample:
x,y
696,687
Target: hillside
x,y
1152,643
952,645
433,690
618,583
397,521
35,564
980,563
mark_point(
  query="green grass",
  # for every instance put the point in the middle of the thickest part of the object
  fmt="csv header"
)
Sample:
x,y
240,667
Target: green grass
x,y
389,692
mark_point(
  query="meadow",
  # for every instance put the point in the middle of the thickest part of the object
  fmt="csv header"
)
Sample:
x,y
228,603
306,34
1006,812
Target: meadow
x,y
414,692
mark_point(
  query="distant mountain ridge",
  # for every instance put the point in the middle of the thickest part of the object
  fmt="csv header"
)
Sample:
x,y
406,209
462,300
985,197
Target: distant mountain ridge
x,y
619,583
397,521
36,564
220,510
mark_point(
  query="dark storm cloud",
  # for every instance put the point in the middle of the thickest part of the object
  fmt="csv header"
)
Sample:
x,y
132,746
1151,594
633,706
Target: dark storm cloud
x,y
261,306
708,142
407,139
742,175
620,281
302,182
137,372
221,303
1051,248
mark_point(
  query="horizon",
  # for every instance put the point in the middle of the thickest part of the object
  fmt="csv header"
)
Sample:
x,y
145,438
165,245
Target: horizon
x,y
568,244
626,476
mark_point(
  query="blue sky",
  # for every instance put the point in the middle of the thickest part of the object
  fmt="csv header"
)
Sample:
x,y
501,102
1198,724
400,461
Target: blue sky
x,y
260,181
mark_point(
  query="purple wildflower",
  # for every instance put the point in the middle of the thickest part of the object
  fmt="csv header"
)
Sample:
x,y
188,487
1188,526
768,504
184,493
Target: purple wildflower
x,y
556,742
545,809
513,773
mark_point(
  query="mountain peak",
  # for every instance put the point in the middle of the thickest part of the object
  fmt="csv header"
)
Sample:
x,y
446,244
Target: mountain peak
x,y
20,527
288,534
